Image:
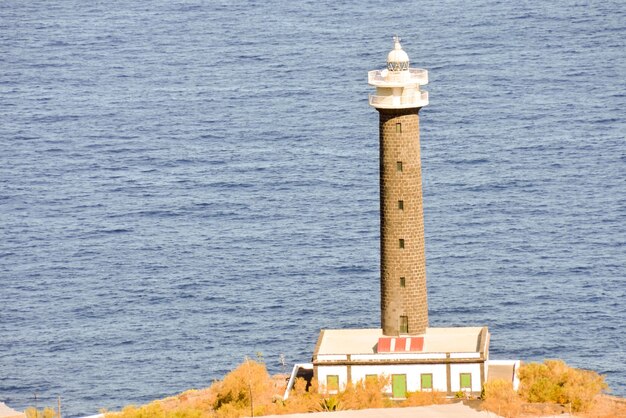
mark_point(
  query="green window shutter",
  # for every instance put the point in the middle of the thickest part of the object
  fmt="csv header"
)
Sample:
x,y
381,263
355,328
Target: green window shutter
x,y
427,381
466,380
398,385
332,382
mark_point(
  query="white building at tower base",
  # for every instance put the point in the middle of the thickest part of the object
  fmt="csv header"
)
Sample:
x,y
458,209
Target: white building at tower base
x,y
448,360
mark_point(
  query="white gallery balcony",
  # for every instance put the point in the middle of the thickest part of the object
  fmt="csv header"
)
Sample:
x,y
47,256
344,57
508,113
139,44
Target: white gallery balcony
x,y
416,99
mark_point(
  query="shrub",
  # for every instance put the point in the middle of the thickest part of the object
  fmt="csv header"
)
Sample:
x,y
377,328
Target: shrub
x,y
247,386
500,397
364,394
329,404
554,381
45,413
245,389
301,400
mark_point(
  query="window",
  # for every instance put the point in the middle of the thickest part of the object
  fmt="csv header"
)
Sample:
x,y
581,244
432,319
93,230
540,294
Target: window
x,y
466,381
401,243
401,204
332,382
399,165
402,282
404,324
426,381
398,128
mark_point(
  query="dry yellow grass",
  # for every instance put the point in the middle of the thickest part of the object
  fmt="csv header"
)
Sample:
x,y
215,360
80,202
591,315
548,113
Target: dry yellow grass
x,y
45,413
552,388
500,398
556,382
249,390
607,407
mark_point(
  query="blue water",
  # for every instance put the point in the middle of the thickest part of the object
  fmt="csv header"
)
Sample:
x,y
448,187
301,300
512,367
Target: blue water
x,y
183,183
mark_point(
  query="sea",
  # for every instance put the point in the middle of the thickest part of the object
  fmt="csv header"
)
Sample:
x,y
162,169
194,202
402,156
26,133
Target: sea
x,y
187,183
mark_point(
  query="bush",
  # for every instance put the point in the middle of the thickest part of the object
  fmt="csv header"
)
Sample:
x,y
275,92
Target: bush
x,y
554,381
365,394
500,397
45,413
301,400
249,388
246,388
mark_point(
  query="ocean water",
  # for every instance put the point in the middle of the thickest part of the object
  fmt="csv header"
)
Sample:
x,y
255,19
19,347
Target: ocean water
x,y
184,183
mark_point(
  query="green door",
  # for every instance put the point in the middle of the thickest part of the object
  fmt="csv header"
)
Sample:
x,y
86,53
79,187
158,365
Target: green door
x,y
398,385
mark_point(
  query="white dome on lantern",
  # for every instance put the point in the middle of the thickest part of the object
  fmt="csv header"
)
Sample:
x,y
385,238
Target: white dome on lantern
x,y
397,59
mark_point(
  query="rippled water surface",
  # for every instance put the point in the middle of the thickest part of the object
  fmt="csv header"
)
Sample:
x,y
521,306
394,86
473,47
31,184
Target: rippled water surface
x,y
183,183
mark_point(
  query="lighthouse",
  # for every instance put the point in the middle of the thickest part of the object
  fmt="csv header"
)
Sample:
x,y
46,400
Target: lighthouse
x,y
405,351
398,99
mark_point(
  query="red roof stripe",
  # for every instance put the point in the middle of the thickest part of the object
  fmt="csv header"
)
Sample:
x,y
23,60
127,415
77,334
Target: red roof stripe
x,y
384,345
417,344
400,345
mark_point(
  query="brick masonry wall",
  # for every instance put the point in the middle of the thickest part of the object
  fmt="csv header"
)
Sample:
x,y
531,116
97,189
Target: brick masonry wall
x,y
401,144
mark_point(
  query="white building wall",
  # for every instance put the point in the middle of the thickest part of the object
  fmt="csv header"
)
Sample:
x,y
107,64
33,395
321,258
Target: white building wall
x,y
464,355
412,371
455,376
514,364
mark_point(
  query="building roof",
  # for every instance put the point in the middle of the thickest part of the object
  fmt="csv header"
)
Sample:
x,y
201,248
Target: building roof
x,y
435,340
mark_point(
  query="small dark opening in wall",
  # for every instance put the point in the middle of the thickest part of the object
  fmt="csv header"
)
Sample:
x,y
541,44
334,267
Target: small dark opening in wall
x,y
401,243
404,324
401,204
399,166
402,282
398,128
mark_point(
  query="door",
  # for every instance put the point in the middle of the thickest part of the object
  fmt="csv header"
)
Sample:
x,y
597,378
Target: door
x,y
398,385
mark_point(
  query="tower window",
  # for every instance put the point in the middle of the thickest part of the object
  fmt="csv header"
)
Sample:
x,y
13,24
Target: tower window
x,y
402,282
399,166
404,324
398,128
401,204
401,243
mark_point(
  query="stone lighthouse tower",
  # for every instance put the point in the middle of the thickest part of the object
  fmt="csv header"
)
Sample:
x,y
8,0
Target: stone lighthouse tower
x,y
398,99
412,355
